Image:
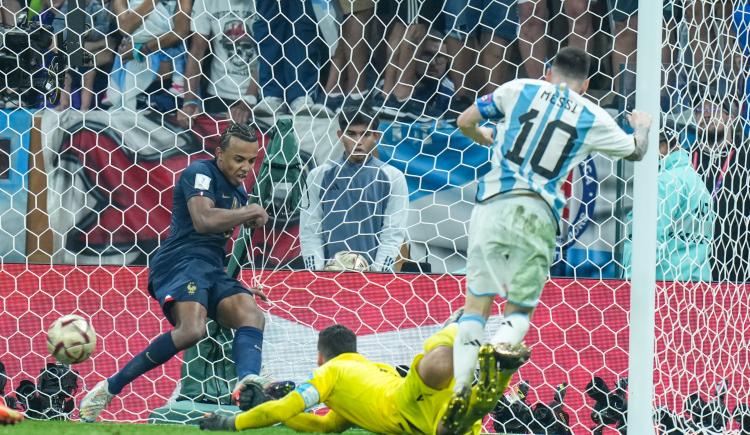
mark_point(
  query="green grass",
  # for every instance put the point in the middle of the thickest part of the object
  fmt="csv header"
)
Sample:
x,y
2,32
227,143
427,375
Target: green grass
x,y
30,427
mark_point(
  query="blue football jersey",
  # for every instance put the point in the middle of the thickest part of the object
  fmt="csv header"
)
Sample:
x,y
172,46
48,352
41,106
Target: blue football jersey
x,y
544,130
201,178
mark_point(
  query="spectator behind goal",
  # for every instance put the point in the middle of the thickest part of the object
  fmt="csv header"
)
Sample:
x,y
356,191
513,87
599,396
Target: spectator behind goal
x,y
685,219
222,28
355,204
156,31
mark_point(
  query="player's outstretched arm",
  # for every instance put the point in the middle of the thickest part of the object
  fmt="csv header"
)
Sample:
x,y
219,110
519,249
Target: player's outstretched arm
x,y
306,422
468,123
271,412
641,124
208,219
267,414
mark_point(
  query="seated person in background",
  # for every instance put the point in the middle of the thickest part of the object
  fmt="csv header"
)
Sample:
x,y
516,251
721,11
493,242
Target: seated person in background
x,y
375,397
480,33
406,24
356,204
154,47
232,81
286,32
685,218
424,91
534,17
348,73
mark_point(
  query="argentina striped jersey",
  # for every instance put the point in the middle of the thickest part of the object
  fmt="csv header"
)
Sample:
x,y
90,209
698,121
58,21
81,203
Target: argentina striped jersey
x,y
544,130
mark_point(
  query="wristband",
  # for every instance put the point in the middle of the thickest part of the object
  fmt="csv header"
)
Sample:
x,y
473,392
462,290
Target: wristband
x,y
140,51
137,55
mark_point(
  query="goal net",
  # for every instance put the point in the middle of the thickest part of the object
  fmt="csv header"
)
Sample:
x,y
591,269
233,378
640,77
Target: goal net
x,y
107,102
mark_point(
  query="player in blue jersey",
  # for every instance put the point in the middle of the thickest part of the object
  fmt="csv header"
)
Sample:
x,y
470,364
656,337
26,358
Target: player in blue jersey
x,y
187,275
545,128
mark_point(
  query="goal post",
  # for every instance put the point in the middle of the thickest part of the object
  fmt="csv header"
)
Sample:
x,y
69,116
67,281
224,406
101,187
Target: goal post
x,y
643,283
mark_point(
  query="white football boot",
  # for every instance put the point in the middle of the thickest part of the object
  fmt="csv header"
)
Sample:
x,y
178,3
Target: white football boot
x,y
95,402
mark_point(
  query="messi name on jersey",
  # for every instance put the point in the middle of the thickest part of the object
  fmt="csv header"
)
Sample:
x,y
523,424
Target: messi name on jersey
x,y
560,100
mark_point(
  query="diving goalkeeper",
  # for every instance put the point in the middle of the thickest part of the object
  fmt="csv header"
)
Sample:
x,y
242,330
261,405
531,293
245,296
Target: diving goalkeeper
x,y
375,397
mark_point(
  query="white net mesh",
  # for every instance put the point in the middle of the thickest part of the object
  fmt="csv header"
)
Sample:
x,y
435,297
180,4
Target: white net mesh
x,y
87,177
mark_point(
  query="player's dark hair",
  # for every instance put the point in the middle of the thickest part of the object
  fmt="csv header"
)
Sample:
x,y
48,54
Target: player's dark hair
x,y
355,116
335,340
242,132
573,63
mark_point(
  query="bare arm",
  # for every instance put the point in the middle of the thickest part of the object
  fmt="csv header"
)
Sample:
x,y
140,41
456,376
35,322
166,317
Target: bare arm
x,y
208,219
468,123
130,19
180,28
198,47
641,123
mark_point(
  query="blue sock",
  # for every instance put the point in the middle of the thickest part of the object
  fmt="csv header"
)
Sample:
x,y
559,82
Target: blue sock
x,y
246,351
157,353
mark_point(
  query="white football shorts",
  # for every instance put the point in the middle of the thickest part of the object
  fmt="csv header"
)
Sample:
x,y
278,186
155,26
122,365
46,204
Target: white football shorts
x,y
511,247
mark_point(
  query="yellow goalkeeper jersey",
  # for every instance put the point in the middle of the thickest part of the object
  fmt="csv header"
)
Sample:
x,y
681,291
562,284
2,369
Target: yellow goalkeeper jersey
x,y
375,397
360,392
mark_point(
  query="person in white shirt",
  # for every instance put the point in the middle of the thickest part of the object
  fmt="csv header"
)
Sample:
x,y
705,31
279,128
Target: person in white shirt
x,y
222,28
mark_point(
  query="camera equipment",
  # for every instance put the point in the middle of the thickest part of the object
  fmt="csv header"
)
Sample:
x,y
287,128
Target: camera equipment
x,y
513,414
32,65
610,407
23,52
53,396
712,414
551,419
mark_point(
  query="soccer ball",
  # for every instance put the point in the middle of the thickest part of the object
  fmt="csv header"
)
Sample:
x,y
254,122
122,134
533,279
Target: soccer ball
x,y
348,261
71,339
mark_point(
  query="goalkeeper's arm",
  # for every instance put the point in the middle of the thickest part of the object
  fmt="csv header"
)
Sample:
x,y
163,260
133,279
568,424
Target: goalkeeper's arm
x,y
289,410
267,414
272,412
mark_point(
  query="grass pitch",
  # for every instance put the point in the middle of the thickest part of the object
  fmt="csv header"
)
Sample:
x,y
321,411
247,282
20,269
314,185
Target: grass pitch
x,y
31,427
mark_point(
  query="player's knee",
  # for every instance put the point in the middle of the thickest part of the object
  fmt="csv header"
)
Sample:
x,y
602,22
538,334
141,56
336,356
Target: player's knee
x,y
436,368
188,334
251,316
255,318
240,310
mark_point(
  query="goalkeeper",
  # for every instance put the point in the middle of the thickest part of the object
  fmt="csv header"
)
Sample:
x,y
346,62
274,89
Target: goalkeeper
x,y
375,397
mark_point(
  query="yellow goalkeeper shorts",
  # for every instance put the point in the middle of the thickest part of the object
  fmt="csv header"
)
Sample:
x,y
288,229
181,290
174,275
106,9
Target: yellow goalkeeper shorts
x,y
420,406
